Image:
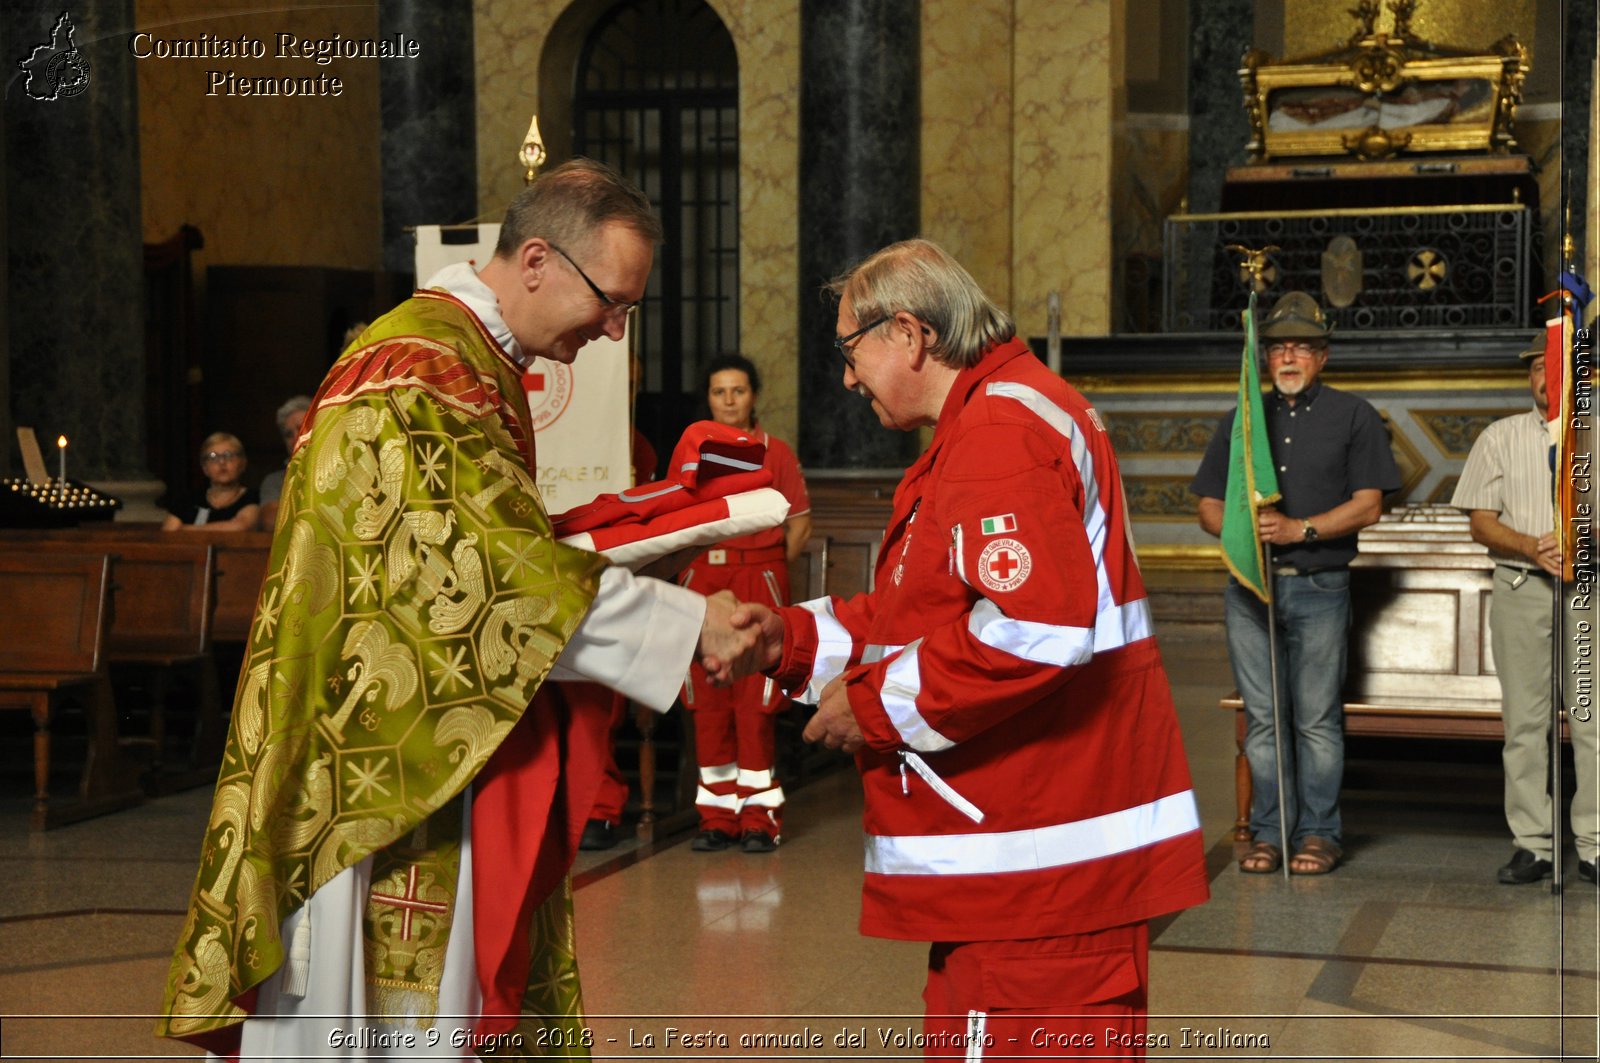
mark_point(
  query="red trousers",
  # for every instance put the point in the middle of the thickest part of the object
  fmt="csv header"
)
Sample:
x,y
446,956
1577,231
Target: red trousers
x,y
1047,998
735,726
612,796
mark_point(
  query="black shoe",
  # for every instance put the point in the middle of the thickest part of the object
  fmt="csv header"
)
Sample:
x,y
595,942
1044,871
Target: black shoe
x,y
1586,870
758,841
1523,869
712,841
598,834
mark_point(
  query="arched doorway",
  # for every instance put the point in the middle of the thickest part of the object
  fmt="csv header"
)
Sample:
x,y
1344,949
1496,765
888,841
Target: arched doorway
x,y
657,97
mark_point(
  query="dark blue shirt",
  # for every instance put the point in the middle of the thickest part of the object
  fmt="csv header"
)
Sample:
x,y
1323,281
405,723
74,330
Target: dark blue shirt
x,y
1327,446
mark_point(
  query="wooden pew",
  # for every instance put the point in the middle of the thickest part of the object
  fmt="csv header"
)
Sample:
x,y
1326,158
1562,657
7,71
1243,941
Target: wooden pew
x,y
1420,665
52,648
161,607
241,563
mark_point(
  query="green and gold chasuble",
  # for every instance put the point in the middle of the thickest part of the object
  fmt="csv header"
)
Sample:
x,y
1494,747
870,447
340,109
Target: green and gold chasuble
x,y
415,600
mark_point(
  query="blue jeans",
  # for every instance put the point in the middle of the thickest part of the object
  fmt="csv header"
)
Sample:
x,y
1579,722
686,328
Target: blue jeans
x,y
1313,619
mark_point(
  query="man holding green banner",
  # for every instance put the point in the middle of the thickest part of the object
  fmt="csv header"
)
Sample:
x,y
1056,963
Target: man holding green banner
x,y
1327,452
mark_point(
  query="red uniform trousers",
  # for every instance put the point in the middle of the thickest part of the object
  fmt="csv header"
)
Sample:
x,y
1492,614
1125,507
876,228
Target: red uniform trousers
x,y
612,796
1051,998
735,726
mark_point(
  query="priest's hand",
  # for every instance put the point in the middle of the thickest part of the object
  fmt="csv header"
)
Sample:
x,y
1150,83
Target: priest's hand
x,y
834,724
727,652
768,628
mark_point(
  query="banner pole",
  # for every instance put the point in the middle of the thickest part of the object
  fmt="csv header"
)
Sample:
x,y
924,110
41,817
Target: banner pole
x,y
1277,714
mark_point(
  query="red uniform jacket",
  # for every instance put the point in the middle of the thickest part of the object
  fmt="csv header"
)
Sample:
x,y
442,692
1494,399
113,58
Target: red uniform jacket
x,y
1024,773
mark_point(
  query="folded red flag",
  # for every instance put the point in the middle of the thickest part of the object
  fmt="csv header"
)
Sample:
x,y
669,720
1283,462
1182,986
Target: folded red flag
x,y
716,488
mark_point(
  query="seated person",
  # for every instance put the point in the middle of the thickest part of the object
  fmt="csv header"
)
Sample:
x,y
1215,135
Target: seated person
x,y
290,416
227,505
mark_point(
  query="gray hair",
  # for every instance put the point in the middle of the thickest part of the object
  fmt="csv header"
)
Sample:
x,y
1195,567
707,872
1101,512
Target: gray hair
x,y
920,277
567,205
290,407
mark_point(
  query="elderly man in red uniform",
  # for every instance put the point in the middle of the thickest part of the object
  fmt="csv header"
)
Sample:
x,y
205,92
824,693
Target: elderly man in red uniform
x,y
1028,801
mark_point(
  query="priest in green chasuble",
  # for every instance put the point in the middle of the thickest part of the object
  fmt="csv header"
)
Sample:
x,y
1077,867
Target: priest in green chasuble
x,y
384,871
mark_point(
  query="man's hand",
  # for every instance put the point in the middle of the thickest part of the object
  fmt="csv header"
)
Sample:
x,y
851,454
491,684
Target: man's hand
x,y
1547,554
768,628
1278,529
834,724
728,652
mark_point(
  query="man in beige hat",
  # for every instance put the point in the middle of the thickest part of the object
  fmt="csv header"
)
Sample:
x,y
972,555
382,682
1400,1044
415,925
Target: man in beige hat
x,y
1506,489
1334,466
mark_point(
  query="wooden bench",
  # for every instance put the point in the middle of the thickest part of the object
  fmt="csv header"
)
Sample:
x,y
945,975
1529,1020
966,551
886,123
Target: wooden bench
x,y
52,649
161,607
241,563
1420,664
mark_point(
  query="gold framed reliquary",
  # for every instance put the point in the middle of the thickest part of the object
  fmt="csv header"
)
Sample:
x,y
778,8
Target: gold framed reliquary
x,y
1382,94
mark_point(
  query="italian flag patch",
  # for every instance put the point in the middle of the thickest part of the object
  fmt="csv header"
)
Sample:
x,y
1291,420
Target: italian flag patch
x,y
1005,522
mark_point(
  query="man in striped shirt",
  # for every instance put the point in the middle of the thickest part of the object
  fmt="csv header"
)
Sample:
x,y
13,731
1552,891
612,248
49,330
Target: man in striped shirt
x,y
1506,488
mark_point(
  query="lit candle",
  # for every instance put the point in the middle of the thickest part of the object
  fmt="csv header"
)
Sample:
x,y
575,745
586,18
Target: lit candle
x,y
61,445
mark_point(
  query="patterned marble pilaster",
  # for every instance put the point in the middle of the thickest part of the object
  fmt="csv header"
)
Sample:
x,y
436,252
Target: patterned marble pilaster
x,y
523,47
1152,176
508,43
767,35
859,191
1219,33
74,292
429,151
966,136
1067,88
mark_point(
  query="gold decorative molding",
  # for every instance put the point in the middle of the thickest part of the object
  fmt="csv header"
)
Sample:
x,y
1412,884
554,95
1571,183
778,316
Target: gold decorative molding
x,y
1414,467
1158,496
1160,433
1453,430
1181,557
1226,381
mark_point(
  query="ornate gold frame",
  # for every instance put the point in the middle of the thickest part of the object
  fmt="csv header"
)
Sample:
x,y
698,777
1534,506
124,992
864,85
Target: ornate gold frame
x,y
1380,66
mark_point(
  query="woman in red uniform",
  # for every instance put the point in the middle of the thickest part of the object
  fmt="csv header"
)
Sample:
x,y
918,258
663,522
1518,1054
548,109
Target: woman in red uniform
x,y
740,799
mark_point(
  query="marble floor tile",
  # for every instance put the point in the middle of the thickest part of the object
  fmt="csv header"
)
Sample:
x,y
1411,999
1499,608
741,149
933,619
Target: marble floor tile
x,y
1409,950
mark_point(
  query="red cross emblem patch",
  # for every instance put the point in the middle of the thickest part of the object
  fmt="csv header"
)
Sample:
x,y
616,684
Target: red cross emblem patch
x,y
549,391
1004,565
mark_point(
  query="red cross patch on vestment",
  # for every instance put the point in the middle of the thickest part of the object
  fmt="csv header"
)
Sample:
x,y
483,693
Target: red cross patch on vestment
x,y
408,903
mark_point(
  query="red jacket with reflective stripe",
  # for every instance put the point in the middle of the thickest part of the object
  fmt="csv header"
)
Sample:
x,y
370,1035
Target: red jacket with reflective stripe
x,y
1003,667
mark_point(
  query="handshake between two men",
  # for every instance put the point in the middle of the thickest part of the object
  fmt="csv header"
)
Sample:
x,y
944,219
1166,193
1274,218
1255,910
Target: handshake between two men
x,y
742,638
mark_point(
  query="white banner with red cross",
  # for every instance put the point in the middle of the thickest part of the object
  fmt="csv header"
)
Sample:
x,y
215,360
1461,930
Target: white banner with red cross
x,y
580,412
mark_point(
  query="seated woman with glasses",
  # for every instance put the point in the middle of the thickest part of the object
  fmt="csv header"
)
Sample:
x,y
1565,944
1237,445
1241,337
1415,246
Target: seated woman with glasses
x,y
227,504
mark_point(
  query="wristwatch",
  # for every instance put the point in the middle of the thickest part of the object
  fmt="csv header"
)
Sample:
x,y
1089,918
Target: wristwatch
x,y
1309,530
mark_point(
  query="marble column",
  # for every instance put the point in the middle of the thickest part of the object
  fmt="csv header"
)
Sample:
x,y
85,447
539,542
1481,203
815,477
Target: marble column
x,y
73,240
1219,33
428,142
1577,81
860,189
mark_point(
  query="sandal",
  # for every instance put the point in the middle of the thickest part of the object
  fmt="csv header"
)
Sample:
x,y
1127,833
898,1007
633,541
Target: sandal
x,y
1262,858
1317,856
